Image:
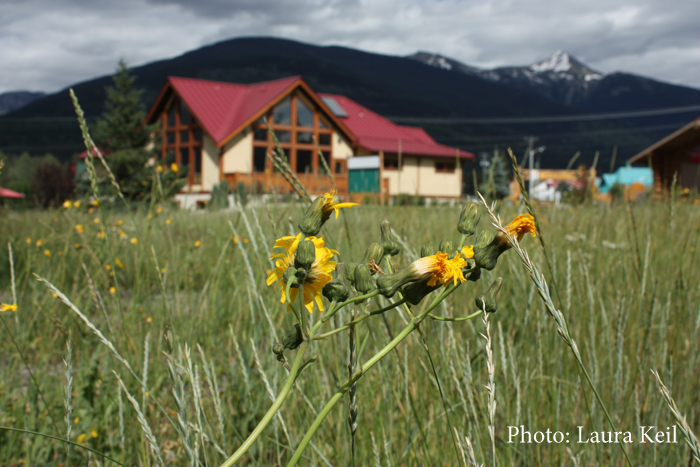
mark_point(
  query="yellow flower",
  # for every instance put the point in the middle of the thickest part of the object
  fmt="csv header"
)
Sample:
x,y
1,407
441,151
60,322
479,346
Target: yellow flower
x,y
97,220
112,289
149,319
174,167
78,246
121,233
101,234
81,439
79,228
159,168
162,271
318,275
120,222
76,205
134,241
29,240
39,242
159,210
197,244
235,239
108,267
521,225
245,240
333,206
440,269
5,307
47,253
118,264
90,210
468,251
94,202
169,221
77,419
93,433
67,204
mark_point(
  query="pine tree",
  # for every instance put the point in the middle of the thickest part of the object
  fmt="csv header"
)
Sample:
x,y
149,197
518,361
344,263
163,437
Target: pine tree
x,y
124,137
496,178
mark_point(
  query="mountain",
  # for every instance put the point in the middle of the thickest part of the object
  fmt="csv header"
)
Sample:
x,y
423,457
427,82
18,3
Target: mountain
x,y
563,79
396,87
13,100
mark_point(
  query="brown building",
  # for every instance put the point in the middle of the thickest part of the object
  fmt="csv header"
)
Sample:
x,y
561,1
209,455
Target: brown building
x,y
676,153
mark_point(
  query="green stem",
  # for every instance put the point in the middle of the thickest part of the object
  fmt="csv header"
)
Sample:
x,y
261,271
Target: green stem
x,y
359,319
464,318
363,369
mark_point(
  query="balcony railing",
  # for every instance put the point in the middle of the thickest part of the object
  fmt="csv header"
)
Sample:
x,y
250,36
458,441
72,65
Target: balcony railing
x,y
261,182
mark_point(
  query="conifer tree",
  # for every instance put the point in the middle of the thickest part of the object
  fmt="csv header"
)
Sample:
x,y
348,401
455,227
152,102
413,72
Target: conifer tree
x,y
124,137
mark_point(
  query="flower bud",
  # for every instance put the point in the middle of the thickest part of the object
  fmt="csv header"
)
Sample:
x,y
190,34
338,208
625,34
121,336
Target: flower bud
x,y
391,248
293,338
474,275
469,219
337,290
375,253
488,249
446,247
427,250
313,220
487,300
305,255
350,271
415,292
363,279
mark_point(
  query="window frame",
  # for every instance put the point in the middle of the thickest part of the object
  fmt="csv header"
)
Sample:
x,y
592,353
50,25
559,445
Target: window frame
x,y
190,129
293,145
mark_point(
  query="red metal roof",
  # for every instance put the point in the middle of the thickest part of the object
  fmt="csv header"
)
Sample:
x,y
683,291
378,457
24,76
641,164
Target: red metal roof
x,y
5,193
221,108
376,133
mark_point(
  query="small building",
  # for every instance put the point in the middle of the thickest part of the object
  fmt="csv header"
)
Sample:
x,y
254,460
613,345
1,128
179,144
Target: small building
x,y
218,131
627,176
677,153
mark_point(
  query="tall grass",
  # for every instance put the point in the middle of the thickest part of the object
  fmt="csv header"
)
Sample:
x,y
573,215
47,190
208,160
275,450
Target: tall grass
x,y
624,325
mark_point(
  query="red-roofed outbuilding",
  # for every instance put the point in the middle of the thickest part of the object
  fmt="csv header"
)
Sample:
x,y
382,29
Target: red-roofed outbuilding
x,y
218,130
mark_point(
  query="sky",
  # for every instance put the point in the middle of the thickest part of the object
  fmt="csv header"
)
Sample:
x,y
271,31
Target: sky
x,y
47,45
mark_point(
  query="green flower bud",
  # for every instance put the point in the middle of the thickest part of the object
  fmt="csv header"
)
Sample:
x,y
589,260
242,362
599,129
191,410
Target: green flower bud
x,y
474,275
305,255
427,250
293,338
336,290
415,292
375,253
446,247
469,219
488,249
313,220
278,350
363,279
487,300
387,242
350,271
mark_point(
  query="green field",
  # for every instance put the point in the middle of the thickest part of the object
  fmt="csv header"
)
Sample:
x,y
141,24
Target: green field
x,y
628,285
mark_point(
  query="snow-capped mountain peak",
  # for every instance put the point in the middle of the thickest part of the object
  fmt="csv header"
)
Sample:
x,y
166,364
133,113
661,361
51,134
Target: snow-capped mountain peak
x,y
559,61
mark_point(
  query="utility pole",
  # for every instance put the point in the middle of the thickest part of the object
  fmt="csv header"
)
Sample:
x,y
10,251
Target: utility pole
x,y
531,155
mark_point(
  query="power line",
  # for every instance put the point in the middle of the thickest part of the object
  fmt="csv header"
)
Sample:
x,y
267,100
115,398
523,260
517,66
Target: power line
x,y
551,118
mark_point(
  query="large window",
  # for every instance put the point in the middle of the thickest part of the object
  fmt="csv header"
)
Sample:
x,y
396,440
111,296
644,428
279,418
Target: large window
x,y
296,122
182,136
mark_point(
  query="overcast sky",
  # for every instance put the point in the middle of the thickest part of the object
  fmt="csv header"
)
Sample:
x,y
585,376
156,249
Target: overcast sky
x,y
46,45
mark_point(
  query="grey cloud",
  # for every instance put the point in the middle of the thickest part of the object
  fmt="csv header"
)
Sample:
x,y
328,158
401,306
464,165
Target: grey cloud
x,y
49,44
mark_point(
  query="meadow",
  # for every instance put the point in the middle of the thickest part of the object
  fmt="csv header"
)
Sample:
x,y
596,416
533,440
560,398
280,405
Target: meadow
x,y
182,298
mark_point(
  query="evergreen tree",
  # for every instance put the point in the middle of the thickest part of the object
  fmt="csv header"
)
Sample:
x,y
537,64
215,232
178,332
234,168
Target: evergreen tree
x,y
124,138
496,178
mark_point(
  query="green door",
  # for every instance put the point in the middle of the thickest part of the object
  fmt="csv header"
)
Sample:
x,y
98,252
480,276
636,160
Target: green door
x,y
363,181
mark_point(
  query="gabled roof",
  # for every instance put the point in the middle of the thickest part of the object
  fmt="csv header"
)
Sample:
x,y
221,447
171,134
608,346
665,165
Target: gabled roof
x,y
224,109
376,133
681,140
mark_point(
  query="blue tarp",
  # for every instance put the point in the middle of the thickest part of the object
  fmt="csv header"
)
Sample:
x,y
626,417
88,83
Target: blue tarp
x,y
627,176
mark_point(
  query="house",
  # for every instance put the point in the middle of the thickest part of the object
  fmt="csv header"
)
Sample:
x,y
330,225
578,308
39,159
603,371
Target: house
x,y
218,131
677,153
